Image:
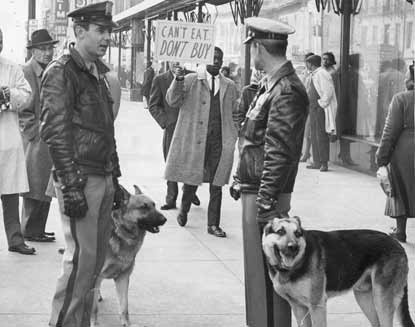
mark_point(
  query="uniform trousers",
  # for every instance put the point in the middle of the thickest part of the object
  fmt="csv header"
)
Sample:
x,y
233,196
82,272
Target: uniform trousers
x,y
263,306
86,241
34,216
10,204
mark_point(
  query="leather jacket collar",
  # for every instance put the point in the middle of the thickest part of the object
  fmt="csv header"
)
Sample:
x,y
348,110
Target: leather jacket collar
x,y
285,70
102,68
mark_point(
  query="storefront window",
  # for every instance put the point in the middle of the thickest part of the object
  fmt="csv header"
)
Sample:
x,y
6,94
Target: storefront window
x,y
378,66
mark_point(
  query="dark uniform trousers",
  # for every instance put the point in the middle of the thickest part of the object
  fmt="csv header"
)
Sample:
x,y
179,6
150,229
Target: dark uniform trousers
x,y
172,187
213,150
320,146
86,241
34,216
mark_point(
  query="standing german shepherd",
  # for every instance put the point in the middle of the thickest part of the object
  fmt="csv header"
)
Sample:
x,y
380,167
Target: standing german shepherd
x,y
308,267
136,216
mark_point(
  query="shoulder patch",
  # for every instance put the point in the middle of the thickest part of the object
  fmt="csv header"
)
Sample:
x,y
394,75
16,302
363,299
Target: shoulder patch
x,y
285,85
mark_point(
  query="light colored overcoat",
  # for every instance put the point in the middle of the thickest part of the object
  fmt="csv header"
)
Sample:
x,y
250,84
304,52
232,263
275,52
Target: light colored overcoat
x,y
13,175
38,161
185,161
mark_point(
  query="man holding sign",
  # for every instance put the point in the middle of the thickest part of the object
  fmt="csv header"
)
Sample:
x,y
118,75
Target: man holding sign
x,y
204,139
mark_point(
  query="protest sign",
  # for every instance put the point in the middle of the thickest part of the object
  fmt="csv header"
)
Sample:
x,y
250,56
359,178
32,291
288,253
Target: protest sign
x,y
184,42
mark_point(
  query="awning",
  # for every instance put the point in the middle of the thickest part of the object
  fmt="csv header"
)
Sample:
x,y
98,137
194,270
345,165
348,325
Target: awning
x,y
151,8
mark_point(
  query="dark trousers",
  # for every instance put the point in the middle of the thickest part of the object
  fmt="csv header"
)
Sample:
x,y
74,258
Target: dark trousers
x,y
263,306
215,202
172,187
10,203
319,139
34,216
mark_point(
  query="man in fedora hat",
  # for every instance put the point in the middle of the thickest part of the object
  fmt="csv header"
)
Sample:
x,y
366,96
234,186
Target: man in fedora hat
x,y
36,203
78,127
272,137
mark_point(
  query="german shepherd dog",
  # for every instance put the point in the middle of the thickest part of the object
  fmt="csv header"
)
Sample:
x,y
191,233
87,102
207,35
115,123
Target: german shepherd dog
x,y
307,267
136,216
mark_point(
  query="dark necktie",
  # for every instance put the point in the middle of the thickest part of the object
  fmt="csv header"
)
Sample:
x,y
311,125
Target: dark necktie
x,y
213,85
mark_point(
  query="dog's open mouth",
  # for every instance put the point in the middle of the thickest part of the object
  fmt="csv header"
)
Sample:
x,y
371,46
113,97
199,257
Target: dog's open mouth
x,y
153,229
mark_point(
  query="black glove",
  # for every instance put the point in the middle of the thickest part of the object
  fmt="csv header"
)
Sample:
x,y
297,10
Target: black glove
x,y
74,202
235,190
267,208
118,195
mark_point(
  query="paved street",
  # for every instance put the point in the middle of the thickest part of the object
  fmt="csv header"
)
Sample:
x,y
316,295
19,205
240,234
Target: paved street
x,y
185,277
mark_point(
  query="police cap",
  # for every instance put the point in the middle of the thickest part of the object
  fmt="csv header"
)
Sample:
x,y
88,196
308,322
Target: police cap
x,y
267,29
98,13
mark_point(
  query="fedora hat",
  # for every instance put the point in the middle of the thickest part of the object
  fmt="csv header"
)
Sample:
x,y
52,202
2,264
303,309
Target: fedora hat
x,y
40,37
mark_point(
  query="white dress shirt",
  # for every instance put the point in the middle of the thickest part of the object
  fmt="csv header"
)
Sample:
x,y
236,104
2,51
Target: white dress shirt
x,y
217,82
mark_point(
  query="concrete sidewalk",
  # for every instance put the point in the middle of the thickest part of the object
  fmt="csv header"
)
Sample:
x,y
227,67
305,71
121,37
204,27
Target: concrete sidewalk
x,y
185,277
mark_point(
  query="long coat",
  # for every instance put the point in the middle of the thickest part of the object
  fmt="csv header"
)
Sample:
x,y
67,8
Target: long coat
x,y
185,161
397,149
38,161
13,175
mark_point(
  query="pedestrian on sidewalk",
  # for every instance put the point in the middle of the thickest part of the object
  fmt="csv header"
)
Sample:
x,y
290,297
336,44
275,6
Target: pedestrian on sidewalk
x,y
323,108
14,94
78,126
36,203
396,151
272,138
147,81
204,139
166,117
306,78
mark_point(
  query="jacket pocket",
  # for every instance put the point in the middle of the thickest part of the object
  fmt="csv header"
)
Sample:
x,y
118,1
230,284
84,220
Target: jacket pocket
x,y
251,164
90,145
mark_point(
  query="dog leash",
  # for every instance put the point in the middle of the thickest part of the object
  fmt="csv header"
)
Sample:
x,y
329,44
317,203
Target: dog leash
x,y
304,318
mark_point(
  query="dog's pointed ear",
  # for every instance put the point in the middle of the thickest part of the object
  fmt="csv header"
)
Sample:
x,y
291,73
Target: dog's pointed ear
x,y
296,218
267,229
125,194
137,190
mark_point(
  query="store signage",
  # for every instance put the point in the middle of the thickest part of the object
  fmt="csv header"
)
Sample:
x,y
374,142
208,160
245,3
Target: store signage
x,y
184,42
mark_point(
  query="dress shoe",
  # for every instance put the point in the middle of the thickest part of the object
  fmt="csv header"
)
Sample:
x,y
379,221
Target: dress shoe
x,y
182,219
216,231
168,206
49,233
40,238
313,166
22,249
196,200
401,237
324,167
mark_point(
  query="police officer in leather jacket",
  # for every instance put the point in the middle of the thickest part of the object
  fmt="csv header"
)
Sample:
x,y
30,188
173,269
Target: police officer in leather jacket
x,y
270,150
78,127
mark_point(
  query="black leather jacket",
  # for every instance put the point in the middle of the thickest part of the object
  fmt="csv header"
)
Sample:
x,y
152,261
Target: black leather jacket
x,y
77,121
272,136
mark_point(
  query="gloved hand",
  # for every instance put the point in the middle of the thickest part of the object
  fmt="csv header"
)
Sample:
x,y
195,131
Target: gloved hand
x,y
267,208
74,201
118,194
235,190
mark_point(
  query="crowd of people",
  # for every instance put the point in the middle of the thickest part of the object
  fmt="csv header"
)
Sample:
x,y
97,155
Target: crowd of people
x,y
57,139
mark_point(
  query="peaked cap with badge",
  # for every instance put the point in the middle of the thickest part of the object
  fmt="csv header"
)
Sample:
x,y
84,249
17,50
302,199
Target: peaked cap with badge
x,y
98,13
267,29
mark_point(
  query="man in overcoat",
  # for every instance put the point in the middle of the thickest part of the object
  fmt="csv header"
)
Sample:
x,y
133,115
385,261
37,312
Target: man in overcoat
x,y
166,117
272,138
36,203
147,80
14,94
204,139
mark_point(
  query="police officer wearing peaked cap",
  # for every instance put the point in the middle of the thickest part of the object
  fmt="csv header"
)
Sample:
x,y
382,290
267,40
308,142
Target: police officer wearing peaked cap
x,y
78,127
272,135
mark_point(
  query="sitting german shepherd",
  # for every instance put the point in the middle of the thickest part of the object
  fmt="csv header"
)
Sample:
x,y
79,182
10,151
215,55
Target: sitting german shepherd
x,y
136,215
308,267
